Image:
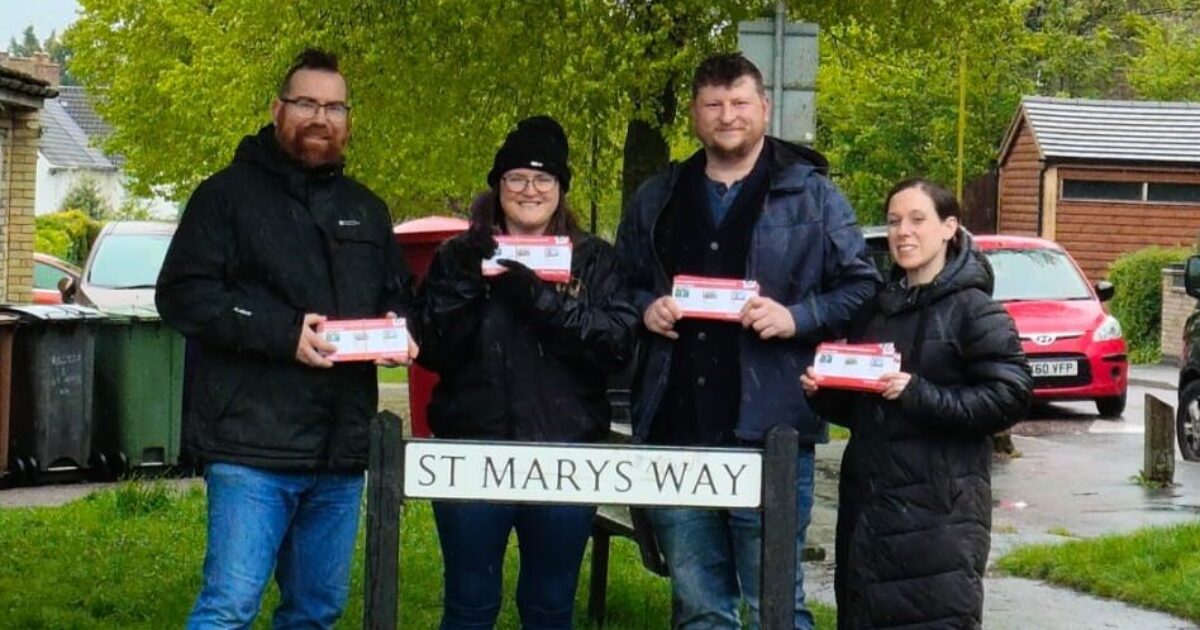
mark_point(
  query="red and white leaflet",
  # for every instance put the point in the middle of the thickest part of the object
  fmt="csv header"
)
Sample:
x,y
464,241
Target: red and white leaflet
x,y
854,365
366,339
548,256
712,298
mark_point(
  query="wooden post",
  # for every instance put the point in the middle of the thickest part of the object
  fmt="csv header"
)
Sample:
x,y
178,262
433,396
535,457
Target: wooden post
x,y
1159,465
598,587
777,583
384,484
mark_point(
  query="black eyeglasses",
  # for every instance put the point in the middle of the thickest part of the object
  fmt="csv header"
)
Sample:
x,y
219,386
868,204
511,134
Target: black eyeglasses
x,y
308,108
542,183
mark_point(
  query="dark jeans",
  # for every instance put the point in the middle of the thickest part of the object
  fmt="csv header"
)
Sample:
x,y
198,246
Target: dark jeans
x,y
474,536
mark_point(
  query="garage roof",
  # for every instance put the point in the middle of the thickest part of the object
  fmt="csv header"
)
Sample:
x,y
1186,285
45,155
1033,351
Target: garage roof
x,y
1142,131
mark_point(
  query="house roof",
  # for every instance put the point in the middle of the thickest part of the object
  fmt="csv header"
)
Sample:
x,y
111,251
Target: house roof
x,y
1141,131
23,83
64,144
75,100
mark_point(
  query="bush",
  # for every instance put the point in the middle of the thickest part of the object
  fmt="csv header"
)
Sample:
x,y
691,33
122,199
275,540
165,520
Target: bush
x,y
1137,277
67,235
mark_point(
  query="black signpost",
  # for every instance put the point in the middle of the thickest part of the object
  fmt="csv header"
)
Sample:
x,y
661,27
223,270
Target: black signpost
x,y
775,471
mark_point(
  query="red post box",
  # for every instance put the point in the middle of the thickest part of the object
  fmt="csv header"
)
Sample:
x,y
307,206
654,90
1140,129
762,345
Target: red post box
x,y
418,239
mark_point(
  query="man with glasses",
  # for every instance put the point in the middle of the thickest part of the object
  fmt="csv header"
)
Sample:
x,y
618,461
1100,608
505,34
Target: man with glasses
x,y
268,248
753,207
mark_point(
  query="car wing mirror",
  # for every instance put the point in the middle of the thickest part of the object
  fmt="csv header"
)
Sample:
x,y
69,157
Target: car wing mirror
x,y
1105,290
67,287
1191,276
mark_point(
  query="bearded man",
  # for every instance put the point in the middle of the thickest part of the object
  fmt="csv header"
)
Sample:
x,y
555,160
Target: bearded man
x,y
752,207
267,248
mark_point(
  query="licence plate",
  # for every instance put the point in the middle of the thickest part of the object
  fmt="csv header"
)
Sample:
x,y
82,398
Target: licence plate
x,y
1054,368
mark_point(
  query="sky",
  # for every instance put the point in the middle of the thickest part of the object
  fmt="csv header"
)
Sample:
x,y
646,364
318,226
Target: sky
x,y
44,15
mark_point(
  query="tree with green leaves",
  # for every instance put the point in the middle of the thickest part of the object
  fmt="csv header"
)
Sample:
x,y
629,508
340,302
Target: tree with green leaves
x,y
435,84
28,45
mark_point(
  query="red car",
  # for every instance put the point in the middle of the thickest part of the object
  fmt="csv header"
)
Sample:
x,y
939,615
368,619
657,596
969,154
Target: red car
x,y
1075,348
48,271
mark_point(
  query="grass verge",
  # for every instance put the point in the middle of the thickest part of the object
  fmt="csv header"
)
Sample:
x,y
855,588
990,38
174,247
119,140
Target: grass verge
x,y
1156,568
131,558
392,375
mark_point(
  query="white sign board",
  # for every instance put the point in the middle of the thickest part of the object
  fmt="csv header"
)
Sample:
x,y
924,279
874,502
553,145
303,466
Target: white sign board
x,y
557,473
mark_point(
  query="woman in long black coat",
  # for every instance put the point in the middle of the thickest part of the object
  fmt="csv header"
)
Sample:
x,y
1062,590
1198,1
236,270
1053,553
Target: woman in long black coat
x,y
915,504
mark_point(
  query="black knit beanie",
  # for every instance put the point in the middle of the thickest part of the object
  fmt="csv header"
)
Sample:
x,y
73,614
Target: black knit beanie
x,y
539,143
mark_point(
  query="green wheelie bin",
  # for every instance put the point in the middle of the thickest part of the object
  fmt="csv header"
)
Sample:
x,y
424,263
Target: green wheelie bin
x,y
139,393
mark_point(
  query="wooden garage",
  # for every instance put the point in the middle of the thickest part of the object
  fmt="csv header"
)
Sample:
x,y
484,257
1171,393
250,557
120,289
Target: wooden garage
x,y
1101,177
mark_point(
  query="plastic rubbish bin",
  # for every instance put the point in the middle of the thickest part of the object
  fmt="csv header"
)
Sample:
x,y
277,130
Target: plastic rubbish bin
x,y
50,418
8,324
418,239
139,392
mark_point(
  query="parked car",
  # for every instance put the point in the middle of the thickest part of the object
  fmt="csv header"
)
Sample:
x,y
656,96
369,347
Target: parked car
x,y
1187,413
1075,348
48,273
123,266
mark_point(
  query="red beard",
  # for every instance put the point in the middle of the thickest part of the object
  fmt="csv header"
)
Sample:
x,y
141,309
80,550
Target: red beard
x,y
314,145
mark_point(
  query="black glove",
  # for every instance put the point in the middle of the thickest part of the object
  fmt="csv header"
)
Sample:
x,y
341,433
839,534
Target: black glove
x,y
521,286
470,250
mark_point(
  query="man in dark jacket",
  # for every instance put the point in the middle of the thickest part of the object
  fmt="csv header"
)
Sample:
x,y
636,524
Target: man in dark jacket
x,y
267,248
752,207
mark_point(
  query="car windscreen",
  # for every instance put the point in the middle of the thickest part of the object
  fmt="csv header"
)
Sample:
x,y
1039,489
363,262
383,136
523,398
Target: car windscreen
x,y
1036,274
47,276
126,261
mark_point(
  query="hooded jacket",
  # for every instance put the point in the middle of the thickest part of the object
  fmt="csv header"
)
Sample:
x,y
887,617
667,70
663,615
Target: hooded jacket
x,y
914,503
806,252
260,244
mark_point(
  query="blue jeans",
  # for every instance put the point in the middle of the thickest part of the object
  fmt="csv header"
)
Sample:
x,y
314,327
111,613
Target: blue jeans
x,y
716,555
474,536
301,525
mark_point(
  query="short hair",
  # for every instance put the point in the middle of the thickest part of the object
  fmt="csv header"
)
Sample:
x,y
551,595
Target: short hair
x,y
309,59
724,70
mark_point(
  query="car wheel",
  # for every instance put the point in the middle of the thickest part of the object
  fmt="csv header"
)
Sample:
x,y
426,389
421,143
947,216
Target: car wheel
x,y
1187,422
1111,407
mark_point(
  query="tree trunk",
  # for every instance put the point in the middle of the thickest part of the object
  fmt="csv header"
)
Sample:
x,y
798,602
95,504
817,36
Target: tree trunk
x,y
646,153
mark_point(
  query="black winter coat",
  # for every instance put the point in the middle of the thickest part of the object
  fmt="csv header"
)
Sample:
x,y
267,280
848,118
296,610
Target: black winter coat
x,y
532,369
261,243
915,504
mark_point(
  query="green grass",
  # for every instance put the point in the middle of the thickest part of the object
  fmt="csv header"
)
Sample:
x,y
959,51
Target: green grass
x,y
131,558
392,375
838,432
1156,568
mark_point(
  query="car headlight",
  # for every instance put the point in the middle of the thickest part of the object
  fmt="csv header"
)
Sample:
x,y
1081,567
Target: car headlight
x,y
1110,329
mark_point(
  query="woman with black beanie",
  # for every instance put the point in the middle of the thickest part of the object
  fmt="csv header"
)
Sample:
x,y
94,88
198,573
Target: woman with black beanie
x,y
523,359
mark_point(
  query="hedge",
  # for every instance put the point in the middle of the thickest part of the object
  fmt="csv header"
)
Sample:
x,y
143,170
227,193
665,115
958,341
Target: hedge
x,y
1137,277
67,235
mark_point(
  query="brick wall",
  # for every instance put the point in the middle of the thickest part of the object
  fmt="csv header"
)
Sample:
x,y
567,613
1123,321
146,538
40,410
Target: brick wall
x,y
1176,306
16,225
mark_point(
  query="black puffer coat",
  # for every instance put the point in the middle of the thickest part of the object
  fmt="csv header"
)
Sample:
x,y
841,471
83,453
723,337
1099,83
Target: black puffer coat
x,y
532,371
915,504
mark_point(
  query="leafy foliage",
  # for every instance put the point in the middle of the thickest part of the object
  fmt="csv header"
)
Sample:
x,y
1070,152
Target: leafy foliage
x,y
437,83
1137,304
67,235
